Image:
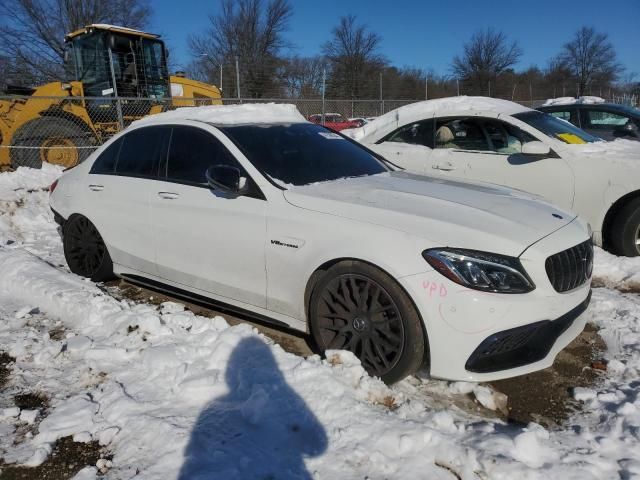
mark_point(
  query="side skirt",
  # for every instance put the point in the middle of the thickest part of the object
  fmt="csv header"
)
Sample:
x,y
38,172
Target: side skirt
x,y
206,301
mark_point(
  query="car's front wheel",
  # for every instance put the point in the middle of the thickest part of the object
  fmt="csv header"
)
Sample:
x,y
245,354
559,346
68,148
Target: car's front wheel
x,y
359,308
625,231
85,251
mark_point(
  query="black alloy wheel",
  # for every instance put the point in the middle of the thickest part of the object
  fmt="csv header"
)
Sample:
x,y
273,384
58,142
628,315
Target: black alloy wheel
x,y
85,251
371,317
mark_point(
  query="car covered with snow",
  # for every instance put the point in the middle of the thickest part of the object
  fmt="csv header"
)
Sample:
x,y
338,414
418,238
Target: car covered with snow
x,y
608,121
254,207
502,142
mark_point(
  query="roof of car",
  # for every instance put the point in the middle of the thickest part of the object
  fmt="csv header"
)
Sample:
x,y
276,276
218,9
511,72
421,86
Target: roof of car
x,y
413,112
260,113
593,106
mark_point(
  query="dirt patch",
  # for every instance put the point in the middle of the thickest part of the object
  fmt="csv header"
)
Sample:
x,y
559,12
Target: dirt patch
x,y
5,371
623,286
66,459
31,401
545,397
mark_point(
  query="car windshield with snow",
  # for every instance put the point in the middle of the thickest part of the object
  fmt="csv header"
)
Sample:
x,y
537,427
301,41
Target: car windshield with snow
x,y
501,142
255,208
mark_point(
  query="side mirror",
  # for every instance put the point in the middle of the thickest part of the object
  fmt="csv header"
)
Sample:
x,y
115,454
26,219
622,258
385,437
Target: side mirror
x,y
535,148
226,178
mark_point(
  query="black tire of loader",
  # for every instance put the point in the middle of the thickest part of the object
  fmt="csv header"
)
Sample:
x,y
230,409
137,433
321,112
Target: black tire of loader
x,y
37,133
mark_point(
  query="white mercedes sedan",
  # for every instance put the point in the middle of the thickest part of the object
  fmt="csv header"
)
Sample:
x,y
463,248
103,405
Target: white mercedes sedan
x,y
502,142
255,208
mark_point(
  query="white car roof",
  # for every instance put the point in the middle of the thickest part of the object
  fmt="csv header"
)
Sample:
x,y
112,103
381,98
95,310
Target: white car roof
x,y
230,114
453,106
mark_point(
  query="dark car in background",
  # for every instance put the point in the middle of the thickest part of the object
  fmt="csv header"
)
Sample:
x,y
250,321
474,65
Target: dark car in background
x,y
608,121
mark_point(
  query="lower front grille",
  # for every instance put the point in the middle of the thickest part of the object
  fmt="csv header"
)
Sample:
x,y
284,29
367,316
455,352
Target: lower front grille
x,y
521,345
570,268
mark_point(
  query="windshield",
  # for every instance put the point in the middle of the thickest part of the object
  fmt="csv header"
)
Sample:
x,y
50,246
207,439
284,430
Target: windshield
x,y
302,153
89,56
556,128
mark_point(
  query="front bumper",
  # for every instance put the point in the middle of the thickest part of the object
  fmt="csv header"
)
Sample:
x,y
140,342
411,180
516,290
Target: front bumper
x,y
523,345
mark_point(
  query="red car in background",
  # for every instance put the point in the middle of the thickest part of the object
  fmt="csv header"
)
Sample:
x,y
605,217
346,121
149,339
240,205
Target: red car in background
x,y
334,121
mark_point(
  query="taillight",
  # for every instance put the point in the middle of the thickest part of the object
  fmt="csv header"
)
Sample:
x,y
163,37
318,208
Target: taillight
x,y
52,187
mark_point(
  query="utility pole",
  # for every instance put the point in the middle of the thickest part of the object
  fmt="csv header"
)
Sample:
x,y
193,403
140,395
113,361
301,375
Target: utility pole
x,y
458,85
221,77
489,87
426,88
238,78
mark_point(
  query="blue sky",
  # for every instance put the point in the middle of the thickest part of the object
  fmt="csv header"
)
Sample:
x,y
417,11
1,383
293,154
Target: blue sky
x,y
427,33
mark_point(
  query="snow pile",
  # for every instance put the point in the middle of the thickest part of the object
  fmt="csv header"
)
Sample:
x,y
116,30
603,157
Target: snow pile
x,y
621,273
427,109
231,114
588,99
176,395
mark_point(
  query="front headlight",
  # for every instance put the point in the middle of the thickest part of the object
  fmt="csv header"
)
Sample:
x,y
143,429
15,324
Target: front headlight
x,y
484,271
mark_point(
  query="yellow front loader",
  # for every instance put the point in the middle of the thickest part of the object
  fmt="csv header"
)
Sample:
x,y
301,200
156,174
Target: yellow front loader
x,y
119,75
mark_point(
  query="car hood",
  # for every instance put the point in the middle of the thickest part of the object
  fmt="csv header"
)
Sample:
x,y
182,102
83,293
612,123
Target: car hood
x,y
445,212
620,150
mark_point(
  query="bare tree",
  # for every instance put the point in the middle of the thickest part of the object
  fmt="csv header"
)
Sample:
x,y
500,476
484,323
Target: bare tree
x,y
486,55
302,76
251,31
354,57
590,56
32,31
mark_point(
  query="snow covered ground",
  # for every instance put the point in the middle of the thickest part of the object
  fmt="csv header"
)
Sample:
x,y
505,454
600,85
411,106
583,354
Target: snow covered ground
x,y
174,395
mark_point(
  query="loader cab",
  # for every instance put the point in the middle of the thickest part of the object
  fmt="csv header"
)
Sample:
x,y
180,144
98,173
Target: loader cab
x,y
118,62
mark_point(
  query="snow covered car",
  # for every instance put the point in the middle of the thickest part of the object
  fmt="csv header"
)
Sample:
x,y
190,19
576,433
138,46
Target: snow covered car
x,y
256,208
497,141
608,121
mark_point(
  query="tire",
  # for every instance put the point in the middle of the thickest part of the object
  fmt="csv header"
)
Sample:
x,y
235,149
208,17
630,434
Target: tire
x,y
85,251
50,139
357,307
625,230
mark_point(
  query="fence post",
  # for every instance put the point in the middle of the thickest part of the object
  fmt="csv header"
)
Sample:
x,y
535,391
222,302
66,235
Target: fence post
x,y
238,79
324,84
119,111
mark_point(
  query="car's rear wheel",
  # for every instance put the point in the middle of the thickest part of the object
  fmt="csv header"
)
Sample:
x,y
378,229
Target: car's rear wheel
x,y
625,231
359,308
85,251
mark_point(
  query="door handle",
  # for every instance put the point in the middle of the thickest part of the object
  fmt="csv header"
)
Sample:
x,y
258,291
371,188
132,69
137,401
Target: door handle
x,y
96,188
168,195
444,166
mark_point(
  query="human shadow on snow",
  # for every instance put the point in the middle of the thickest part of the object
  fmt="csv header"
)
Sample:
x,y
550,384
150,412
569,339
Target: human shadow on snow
x,y
262,429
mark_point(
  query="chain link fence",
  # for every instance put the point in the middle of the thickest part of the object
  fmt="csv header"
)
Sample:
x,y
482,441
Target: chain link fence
x,y
65,130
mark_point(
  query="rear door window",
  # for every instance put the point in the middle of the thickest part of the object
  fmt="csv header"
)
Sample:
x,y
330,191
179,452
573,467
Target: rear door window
x,y
142,151
602,120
